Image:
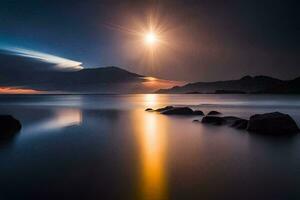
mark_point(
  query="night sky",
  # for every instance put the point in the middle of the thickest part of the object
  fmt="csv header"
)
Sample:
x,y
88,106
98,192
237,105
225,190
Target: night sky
x,y
206,40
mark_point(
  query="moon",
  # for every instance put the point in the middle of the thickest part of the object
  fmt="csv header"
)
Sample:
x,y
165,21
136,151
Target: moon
x,y
150,38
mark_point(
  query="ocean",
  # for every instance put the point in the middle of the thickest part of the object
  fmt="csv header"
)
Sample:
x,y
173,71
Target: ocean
x,y
108,147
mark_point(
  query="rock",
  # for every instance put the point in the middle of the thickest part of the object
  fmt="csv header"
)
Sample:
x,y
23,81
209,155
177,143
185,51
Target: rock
x,y
198,112
213,120
214,113
269,123
164,109
240,124
232,121
196,120
272,123
9,126
170,110
236,122
179,111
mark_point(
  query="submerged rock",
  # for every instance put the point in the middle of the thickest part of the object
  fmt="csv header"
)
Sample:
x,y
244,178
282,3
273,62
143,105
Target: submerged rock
x,y
9,126
236,122
164,109
159,109
213,120
240,124
170,110
213,112
272,123
232,121
179,111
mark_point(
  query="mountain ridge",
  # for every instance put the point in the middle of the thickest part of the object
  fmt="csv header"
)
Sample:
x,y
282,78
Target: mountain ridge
x,y
246,84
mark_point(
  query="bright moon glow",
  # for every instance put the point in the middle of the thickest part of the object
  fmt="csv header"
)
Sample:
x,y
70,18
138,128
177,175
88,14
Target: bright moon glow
x,y
150,38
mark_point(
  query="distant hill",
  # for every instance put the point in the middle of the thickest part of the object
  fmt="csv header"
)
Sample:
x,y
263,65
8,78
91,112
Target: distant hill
x,y
247,84
287,87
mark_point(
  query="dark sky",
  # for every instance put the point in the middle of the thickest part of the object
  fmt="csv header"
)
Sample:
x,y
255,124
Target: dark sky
x,y
203,40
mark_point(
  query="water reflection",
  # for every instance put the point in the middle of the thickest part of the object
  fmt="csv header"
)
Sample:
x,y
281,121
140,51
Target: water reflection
x,y
62,118
151,138
150,100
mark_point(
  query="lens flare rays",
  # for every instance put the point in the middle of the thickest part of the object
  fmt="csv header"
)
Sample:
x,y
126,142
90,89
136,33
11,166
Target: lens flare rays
x,y
147,40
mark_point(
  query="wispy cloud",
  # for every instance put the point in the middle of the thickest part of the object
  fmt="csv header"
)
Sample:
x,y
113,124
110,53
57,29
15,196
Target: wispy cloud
x,y
59,62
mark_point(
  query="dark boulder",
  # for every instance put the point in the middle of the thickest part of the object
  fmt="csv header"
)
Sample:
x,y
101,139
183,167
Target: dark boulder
x,y
272,123
213,120
198,112
179,111
9,126
149,109
214,113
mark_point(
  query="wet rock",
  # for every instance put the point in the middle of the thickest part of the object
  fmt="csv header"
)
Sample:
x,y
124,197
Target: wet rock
x,y
213,120
198,112
170,110
232,121
240,124
213,112
9,126
179,111
164,109
236,122
272,123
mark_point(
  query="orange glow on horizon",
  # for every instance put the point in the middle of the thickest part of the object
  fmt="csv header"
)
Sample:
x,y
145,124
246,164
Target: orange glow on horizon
x,y
11,90
153,84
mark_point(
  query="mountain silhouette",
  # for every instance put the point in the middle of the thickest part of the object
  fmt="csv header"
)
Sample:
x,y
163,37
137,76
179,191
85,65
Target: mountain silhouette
x,y
247,84
31,73
287,87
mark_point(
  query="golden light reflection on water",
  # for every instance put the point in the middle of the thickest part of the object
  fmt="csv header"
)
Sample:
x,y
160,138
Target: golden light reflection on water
x,y
150,100
151,138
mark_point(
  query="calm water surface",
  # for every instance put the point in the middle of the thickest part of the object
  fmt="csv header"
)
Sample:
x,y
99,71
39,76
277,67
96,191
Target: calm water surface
x,y
108,147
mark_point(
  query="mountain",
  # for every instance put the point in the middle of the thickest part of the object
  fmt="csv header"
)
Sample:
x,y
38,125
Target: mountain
x,y
97,80
25,70
39,72
288,87
247,84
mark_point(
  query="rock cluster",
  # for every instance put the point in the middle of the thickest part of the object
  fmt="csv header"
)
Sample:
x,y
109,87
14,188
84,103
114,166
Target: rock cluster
x,y
268,123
